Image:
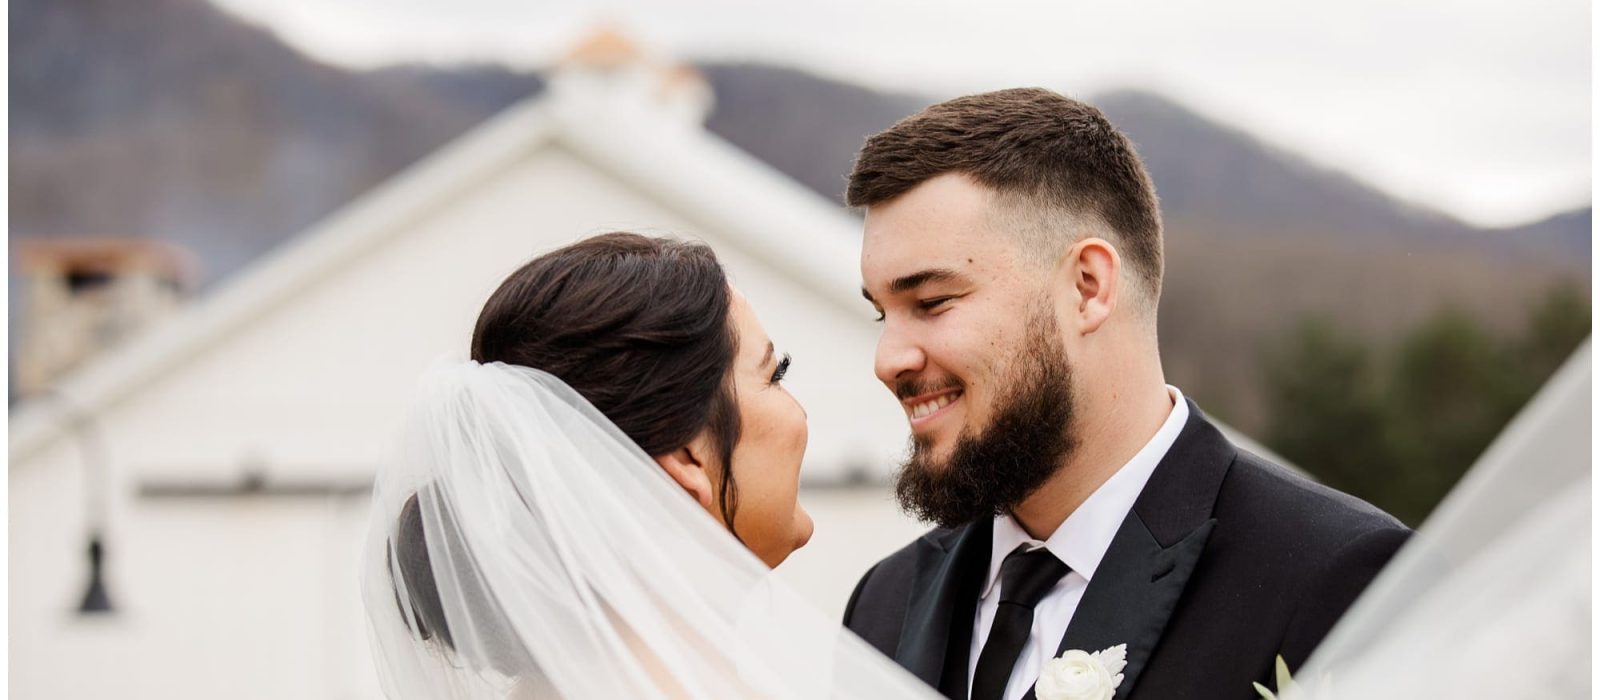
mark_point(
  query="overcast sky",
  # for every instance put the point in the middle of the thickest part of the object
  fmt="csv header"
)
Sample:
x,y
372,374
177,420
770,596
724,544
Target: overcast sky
x,y
1479,108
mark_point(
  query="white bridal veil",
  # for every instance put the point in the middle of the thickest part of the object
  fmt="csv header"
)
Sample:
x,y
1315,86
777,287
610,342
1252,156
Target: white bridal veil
x,y
1491,598
523,547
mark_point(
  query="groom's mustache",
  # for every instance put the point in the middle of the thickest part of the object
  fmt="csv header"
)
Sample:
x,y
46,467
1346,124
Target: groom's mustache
x,y
908,388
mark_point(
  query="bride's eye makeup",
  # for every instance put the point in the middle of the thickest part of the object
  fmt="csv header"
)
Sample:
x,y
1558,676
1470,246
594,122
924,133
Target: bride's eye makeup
x,y
782,370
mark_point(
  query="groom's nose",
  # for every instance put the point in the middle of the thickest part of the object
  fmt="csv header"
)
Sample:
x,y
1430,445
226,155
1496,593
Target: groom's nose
x,y
897,356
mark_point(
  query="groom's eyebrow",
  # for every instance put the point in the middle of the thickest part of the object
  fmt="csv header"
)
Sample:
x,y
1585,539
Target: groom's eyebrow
x,y
917,279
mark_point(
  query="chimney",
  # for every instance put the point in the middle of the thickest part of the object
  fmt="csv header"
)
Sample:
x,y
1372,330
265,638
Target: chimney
x,y
609,71
84,295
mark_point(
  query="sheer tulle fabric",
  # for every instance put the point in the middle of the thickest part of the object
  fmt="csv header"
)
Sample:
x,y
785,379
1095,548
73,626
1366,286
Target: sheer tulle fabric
x,y
1491,598
568,565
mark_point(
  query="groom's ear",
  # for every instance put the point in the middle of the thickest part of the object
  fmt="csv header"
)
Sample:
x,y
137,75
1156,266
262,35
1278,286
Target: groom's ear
x,y
1093,268
687,466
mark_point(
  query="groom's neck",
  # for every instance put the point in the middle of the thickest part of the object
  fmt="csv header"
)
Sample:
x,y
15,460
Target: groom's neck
x,y
1112,422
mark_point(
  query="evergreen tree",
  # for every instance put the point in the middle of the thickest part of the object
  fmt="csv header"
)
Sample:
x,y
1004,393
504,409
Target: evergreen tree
x,y
1399,430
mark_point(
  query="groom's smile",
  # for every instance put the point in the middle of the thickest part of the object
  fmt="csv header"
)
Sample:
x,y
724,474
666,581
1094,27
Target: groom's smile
x,y
927,408
935,408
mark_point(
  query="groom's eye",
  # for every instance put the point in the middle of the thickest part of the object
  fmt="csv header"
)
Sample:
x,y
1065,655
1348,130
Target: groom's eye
x,y
934,303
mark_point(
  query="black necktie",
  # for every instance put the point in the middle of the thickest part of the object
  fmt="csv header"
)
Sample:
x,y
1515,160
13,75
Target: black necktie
x,y
1024,579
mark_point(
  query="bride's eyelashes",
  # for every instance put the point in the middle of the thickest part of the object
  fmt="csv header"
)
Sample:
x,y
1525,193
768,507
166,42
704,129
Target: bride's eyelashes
x,y
782,370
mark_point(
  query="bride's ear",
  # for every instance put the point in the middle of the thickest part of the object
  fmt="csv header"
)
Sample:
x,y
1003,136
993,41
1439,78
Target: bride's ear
x,y
689,466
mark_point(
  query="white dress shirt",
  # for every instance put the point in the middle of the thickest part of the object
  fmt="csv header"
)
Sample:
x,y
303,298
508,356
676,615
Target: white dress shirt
x,y
1080,543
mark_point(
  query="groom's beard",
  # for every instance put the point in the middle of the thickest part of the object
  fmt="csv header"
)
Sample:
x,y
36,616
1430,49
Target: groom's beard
x,y
992,471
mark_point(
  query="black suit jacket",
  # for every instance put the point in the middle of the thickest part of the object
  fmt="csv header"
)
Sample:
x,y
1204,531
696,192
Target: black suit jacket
x,y
1224,562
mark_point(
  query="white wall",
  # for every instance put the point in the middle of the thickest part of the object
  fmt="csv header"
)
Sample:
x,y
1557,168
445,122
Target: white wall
x,y
256,597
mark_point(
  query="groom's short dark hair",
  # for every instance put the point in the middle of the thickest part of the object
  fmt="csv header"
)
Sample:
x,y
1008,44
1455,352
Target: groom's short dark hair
x,y
1051,154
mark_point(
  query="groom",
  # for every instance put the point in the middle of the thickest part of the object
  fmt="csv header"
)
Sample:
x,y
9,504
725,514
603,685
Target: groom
x,y
1013,249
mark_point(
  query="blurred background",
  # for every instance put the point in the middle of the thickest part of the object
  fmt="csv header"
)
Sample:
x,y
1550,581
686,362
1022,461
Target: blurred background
x,y
239,229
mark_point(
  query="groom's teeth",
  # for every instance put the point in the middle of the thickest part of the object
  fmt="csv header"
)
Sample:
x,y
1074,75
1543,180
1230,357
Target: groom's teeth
x,y
925,409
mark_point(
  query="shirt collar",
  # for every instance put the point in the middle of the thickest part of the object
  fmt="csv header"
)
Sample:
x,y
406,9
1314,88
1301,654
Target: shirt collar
x,y
1082,540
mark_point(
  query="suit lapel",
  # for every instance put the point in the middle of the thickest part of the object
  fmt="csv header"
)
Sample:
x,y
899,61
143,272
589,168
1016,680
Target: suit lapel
x,y
1133,593
944,596
1143,574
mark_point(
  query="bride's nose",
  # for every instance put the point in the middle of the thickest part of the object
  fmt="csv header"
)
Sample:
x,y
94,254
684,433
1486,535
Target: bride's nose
x,y
804,416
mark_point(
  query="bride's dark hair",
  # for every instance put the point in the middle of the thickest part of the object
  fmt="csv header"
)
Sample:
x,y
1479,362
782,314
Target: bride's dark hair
x,y
640,327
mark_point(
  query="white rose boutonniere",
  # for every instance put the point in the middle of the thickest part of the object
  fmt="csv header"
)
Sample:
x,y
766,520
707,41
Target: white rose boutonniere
x,y
1078,675
1288,689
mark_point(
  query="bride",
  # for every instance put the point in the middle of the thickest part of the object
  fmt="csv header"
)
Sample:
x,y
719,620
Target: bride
x,y
590,506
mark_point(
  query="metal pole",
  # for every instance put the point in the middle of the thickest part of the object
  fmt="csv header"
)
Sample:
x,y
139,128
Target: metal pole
x,y
96,477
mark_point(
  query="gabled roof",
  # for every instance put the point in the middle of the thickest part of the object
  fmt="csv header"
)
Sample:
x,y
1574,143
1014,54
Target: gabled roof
x,y
680,165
